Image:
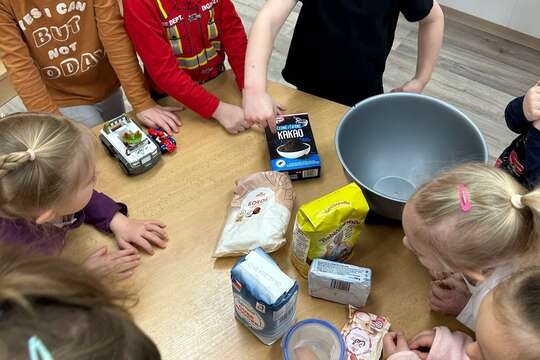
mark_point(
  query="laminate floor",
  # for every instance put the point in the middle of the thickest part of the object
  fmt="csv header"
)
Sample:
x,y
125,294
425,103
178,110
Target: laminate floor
x,y
477,72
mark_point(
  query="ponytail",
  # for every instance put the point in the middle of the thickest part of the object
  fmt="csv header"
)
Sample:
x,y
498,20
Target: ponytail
x,y
43,157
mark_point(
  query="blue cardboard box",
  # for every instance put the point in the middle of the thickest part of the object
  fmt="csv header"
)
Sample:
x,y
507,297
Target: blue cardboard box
x,y
292,148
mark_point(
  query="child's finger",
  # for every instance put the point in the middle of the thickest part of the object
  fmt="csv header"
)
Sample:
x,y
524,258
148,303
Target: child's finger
x,y
389,344
401,342
129,258
144,244
173,108
154,239
122,253
156,222
419,335
426,340
127,246
99,252
439,292
127,266
421,355
157,230
123,275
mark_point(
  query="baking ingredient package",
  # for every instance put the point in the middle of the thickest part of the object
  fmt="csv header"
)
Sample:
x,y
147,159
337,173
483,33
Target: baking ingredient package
x,y
259,214
264,296
363,335
328,227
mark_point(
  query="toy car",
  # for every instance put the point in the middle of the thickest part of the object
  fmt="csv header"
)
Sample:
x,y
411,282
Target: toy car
x,y
127,142
165,141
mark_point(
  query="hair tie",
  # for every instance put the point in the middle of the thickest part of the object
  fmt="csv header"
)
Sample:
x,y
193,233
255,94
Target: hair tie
x,y
464,198
32,154
516,201
37,350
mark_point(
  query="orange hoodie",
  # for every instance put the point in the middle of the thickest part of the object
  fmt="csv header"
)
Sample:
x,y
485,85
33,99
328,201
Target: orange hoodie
x,y
67,53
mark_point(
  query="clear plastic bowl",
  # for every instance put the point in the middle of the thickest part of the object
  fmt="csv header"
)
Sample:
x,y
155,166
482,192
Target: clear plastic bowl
x,y
313,339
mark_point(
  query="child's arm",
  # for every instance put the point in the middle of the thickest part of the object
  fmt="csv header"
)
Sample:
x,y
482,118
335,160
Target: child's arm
x,y
258,105
122,57
23,73
531,110
531,103
234,39
107,215
442,344
100,211
515,116
143,25
430,37
395,347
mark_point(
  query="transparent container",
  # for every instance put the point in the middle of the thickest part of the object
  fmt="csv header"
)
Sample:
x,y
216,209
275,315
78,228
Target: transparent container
x,y
313,339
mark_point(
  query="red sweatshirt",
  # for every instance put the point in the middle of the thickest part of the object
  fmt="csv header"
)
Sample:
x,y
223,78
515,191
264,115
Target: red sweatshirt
x,y
183,43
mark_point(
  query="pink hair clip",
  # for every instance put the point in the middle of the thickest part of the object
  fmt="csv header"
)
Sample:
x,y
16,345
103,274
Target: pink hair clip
x,y
464,198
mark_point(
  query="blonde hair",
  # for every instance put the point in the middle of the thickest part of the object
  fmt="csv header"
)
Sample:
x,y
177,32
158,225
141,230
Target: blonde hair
x,y
501,225
68,307
42,160
517,304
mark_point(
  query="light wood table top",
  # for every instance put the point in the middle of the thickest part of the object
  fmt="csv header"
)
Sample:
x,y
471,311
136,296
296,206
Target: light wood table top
x,y
185,295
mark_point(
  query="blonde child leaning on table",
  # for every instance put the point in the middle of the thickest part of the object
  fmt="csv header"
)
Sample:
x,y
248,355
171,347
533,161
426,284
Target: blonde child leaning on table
x,y
476,222
507,328
47,179
52,308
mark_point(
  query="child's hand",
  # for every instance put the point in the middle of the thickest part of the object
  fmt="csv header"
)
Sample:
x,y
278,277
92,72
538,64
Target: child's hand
x,y
161,116
411,86
143,233
422,341
449,295
231,117
531,103
260,109
119,264
394,342
439,275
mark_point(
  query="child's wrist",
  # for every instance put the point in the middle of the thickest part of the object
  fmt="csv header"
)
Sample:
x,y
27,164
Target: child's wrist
x,y
117,221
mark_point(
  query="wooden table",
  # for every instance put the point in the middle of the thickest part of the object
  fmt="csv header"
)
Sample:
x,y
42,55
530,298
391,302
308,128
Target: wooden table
x,y
185,295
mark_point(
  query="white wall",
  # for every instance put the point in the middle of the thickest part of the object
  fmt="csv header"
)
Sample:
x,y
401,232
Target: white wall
x,y
520,15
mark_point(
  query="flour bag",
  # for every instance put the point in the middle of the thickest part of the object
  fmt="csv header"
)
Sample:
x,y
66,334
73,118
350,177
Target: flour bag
x,y
328,227
258,216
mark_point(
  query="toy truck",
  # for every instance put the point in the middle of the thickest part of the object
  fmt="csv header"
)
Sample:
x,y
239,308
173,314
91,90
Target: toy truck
x,y
130,145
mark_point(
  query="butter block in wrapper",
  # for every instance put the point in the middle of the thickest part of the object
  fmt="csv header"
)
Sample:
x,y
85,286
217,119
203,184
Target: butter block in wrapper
x,y
363,335
264,296
341,283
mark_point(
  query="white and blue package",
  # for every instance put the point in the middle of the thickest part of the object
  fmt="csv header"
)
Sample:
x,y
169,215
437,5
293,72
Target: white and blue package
x,y
292,148
338,282
264,296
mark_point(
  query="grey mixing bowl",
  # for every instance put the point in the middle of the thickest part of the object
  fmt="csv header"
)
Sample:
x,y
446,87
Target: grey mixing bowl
x,y
391,144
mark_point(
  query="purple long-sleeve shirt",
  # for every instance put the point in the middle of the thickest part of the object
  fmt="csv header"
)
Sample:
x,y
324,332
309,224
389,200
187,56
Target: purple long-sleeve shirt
x,y
50,238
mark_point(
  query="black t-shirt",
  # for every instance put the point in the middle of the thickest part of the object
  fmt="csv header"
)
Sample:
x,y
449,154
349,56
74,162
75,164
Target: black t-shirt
x,y
339,47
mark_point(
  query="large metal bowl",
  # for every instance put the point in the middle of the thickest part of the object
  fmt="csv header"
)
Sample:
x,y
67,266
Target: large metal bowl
x,y
391,144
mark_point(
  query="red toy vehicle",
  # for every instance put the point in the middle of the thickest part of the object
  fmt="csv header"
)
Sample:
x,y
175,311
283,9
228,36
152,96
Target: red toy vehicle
x,y
165,141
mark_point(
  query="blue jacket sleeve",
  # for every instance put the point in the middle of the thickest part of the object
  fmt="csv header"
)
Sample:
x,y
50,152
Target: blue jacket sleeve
x,y
515,117
100,211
